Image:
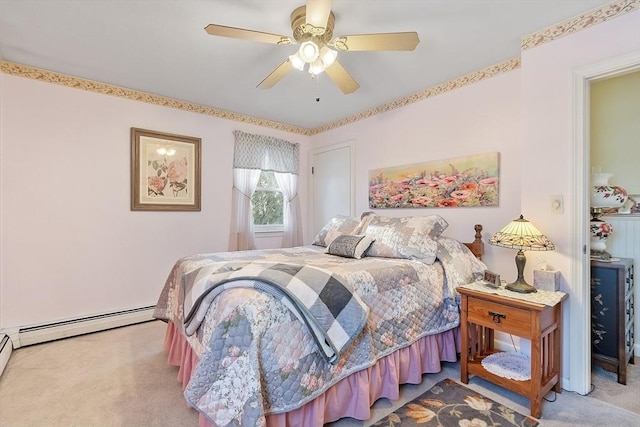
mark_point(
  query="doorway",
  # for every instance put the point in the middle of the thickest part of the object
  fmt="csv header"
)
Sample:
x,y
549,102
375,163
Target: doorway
x,y
580,339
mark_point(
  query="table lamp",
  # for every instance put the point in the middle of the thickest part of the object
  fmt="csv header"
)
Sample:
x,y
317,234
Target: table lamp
x,y
520,234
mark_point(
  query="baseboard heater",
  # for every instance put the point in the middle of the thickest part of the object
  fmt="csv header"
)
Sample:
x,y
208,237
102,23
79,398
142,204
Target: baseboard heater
x,y
5,351
80,326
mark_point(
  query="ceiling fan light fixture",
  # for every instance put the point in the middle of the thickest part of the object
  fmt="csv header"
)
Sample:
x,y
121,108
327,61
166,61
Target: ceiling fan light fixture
x,y
309,51
316,67
317,45
328,56
296,61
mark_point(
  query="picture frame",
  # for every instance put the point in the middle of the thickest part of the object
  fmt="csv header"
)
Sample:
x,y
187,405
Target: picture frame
x,y
165,171
491,279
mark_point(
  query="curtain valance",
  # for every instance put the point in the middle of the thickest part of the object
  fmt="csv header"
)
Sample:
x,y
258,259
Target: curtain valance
x,y
265,153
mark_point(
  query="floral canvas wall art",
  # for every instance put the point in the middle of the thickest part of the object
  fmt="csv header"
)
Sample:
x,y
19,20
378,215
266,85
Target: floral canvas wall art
x,y
468,181
165,171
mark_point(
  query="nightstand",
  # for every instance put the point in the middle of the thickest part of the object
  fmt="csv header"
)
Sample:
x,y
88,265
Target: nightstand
x,y
485,311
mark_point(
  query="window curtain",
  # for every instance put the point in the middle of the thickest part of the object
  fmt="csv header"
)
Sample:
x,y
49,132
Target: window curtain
x,y
245,182
288,183
253,154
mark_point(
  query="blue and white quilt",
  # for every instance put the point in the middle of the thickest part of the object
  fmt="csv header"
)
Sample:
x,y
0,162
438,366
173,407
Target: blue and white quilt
x,y
321,299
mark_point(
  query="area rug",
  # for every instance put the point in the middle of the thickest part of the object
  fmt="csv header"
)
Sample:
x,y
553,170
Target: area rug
x,y
450,404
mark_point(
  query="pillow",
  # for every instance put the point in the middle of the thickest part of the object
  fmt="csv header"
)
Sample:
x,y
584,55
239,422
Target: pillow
x,y
338,226
350,245
461,265
365,219
408,237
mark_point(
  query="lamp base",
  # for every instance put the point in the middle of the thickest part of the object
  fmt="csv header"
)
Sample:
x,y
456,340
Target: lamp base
x,y
521,286
600,255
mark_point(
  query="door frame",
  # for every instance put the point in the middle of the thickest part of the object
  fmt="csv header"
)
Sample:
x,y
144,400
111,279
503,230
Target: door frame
x,y
580,338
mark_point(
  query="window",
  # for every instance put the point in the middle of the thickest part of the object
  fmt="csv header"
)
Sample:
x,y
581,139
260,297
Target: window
x,y
273,194
268,203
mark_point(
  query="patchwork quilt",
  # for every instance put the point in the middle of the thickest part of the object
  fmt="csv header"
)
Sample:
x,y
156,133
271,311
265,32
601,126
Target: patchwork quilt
x,y
256,357
318,297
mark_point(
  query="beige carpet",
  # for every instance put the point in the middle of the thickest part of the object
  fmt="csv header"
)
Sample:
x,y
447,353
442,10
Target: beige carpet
x,y
121,378
113,378
605,387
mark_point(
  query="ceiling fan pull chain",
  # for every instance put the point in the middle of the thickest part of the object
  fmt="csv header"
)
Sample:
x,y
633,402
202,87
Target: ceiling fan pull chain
x,y
317,78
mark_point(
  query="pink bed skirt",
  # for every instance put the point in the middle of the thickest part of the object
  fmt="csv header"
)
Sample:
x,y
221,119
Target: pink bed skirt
x,y
352,396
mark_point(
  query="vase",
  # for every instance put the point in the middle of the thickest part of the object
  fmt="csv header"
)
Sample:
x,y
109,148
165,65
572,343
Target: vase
x,y
600,231
604,195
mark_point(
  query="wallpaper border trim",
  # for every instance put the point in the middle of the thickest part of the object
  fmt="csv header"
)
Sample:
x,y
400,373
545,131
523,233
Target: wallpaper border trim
x,y
581,22
46,76
485,73
135,95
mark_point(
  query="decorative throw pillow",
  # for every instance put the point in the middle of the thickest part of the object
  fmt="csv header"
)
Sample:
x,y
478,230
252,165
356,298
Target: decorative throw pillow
x,y
337,226
407,237
349,245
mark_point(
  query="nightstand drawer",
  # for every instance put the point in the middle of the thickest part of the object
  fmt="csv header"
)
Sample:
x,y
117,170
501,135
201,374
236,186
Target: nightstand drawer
x,y
500,317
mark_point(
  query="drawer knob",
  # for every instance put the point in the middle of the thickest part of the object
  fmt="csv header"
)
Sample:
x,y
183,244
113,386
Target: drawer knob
x,y
497,316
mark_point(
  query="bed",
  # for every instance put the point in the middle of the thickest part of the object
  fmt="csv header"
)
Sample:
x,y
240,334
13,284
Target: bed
x,y
308,335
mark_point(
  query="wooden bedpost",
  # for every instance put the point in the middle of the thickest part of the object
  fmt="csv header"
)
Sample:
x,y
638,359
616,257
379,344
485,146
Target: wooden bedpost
x,y
477,246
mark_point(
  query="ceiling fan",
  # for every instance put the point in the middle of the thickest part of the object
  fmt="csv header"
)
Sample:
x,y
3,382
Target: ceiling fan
x,y
312,27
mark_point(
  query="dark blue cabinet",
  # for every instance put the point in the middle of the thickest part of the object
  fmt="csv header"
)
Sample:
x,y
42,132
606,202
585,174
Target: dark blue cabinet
x,y
612,315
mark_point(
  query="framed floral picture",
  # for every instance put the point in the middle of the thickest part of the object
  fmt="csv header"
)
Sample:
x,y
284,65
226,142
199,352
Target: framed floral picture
x,y
468,181
165,171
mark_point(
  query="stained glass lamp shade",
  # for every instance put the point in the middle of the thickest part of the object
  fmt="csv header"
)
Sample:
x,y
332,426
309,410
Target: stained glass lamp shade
x,y
522,235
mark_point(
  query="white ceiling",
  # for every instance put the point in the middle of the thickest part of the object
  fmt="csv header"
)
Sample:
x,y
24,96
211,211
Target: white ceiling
x,y
161,47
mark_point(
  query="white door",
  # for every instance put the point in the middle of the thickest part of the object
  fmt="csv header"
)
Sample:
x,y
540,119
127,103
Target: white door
x,y
333,183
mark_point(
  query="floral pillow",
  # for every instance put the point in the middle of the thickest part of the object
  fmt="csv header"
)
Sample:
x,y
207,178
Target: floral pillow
x,y
338,226
408,237
350,245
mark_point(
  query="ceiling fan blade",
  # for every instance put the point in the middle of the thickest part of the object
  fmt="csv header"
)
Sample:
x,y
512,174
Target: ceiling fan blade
x,y
241,33
381,41
318,13
342,78
276,75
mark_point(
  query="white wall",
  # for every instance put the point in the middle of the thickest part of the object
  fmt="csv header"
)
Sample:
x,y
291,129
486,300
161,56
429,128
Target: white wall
x,y
479,118
70,244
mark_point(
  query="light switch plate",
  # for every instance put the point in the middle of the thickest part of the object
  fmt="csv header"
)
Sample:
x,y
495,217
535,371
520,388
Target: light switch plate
x,y
557,204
